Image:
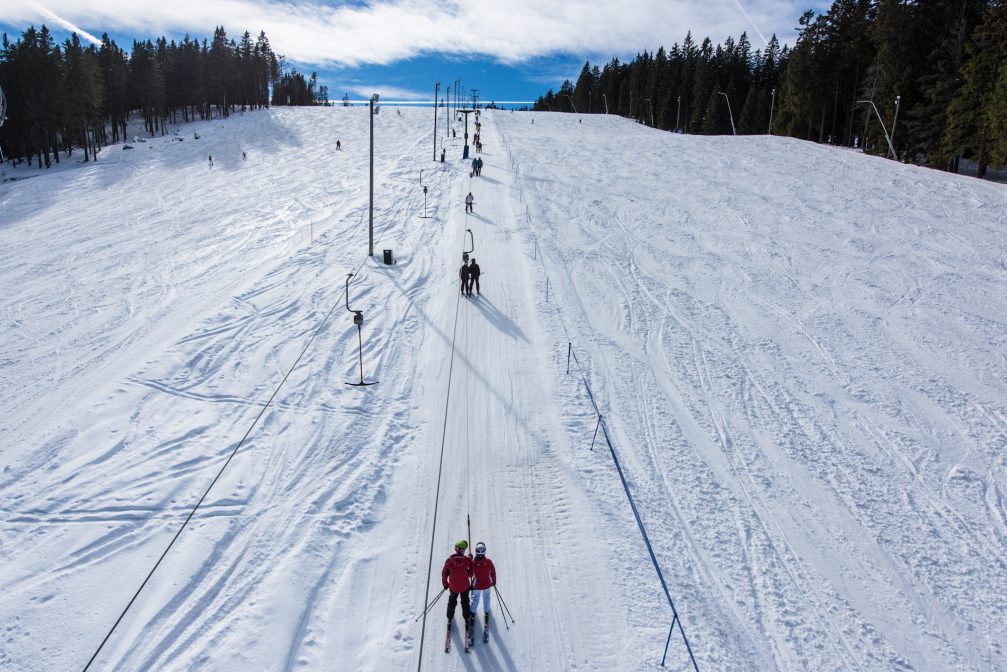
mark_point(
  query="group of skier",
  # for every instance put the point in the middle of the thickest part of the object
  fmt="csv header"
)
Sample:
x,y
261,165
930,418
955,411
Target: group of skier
x,y
465,577
469,275
477,167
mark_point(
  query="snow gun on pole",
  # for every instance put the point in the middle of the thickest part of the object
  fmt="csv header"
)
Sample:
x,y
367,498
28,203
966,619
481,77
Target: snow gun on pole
x,y
358,319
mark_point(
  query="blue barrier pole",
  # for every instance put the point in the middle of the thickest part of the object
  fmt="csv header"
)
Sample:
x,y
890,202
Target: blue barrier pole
x,y
593,438
668,641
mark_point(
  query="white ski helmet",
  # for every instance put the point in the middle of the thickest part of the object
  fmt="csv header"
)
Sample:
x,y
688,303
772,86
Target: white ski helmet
x,y
480,548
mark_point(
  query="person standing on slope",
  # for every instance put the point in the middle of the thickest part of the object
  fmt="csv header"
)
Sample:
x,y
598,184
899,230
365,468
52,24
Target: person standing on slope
x,y
485,579
474,274
475,168
456,577
211,160
469,200
464,274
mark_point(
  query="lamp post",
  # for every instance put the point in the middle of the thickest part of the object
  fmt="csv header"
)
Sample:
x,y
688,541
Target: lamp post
x,y
571,103
370,225
678,115
731,114
650,106
437,92
605,98
772,104
894,122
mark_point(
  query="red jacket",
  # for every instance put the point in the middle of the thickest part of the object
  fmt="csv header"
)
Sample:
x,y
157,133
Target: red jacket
x,y
485,572
457,573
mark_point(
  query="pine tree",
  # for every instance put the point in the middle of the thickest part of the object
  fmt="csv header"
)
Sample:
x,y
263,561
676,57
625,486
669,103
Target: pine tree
x,y
973,120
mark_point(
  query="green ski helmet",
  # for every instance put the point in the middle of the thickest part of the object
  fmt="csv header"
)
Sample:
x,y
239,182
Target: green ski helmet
x,y
461,545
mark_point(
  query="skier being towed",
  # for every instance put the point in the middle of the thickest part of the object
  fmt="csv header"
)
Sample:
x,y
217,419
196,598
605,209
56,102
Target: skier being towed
x,y
456,576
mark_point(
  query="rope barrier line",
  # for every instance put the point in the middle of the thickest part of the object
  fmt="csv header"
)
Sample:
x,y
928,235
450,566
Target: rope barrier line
x,y
440,472
676,619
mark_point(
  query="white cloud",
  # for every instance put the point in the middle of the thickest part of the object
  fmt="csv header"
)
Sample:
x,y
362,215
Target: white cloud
x,y
386,92
384,31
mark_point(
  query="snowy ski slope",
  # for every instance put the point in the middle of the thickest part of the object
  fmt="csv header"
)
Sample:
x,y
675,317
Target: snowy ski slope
x,y
799,353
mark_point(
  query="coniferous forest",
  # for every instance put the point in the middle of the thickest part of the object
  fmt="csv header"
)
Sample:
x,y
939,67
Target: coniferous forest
x,y
70,95
933,72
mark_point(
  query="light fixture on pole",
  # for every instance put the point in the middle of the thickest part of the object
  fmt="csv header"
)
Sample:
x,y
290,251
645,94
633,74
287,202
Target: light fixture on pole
x,y
731,114
650,106
772,104
448,98
370,221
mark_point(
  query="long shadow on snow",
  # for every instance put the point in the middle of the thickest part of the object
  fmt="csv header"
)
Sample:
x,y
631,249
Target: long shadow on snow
x,y
504,402
486,653
498,319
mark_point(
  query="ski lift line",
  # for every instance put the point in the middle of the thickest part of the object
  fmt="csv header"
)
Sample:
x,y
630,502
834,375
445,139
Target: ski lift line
x,y
220,473
440,472
676,619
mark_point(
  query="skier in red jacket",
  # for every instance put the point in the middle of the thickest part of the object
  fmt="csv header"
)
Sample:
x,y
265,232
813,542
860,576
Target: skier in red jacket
x,y
456,576
485,579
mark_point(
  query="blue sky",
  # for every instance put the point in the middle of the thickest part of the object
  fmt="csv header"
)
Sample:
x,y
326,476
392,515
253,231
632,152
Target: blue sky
x,y
510,51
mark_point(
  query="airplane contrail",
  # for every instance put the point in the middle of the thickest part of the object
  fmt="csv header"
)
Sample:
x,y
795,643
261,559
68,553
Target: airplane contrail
x,y
63,22
749,19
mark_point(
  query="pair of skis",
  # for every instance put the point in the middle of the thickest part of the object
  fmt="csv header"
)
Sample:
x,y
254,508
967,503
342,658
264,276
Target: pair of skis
x,y
469,627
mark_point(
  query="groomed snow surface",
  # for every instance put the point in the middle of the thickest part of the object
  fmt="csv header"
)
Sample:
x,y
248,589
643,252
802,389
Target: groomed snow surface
x,y
800,354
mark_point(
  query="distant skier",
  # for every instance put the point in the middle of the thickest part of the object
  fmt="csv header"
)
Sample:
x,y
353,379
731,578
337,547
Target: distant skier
x,y
244,156
474,274
464,275
475,167
469,201
456,577
211,160
485,579
339,145
479,161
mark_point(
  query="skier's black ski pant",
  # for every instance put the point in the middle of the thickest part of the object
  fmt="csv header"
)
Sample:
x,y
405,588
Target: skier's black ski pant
x,y
466,607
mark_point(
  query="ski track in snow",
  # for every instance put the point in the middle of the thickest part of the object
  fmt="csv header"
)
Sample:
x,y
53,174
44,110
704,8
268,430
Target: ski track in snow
x,y
798,352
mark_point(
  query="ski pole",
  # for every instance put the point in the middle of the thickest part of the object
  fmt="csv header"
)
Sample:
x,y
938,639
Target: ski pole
x,y
504,605
431,605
